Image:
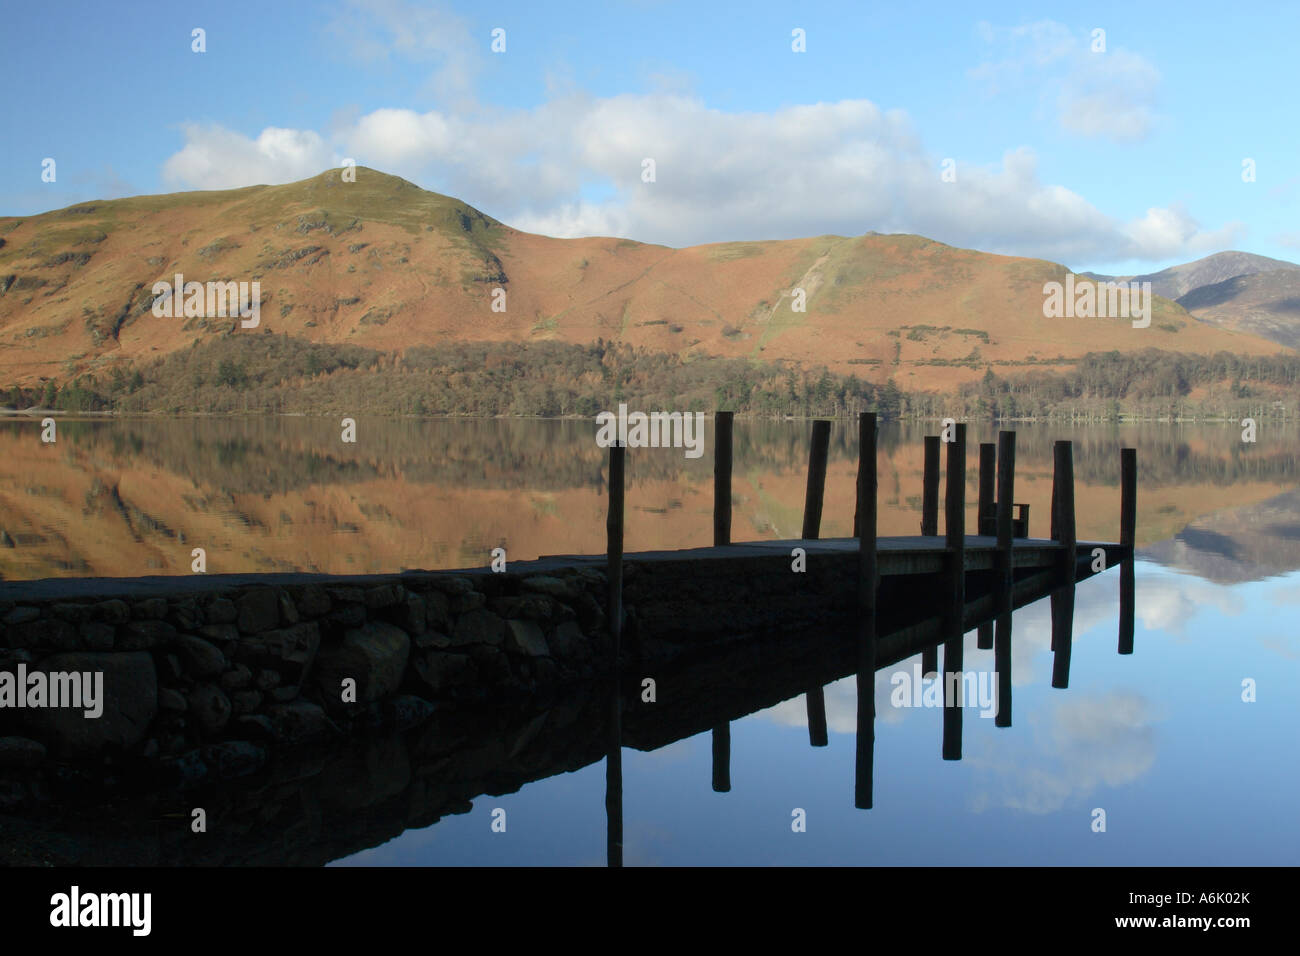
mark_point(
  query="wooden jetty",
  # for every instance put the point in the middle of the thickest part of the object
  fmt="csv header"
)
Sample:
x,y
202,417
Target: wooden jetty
x,y
975,581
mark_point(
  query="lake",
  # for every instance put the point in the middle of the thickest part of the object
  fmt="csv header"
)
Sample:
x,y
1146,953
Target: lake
x,y
1185,768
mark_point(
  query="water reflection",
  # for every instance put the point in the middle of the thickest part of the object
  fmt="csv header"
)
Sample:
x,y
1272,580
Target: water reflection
x,y
132,497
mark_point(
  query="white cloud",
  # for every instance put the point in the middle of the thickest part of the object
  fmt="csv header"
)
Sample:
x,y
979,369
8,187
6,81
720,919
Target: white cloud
x,y
571,166
1108,95
217,158
384,30
1083,743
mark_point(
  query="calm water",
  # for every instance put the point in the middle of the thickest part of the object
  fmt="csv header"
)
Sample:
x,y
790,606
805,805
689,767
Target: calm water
x,y
1162,741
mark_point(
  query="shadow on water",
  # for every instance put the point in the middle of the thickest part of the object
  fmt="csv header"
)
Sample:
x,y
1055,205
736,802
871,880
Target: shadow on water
x,y
311,807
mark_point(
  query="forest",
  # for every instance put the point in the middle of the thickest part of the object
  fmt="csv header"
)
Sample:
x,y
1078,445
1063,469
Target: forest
x,y
276,374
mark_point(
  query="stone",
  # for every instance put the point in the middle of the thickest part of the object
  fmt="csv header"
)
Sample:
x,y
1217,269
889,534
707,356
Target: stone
x,y
185,615
22,614
256,725
348,595
150,609
172,700
288,610
439,672
259,610
185,769
222,611
479,627
470,601
349,615
146,634
411,616
313,601
45,633
490,662
96,636
199,658
437,611
209,706
245,702
526,638
267,679
383,595
407,711
568,642
129,705
451,584
299,722
234,758
18,753
72,613
374,655
220,633
530,607
551,586
432,639
238,677
112,612
289,650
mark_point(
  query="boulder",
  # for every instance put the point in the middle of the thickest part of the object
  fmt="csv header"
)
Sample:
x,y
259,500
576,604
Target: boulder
x,y
130,691
374,656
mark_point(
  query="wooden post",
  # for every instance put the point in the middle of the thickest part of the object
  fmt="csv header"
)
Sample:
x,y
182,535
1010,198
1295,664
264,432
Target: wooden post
x,y
930,488
812,502
1006,495
1063,484
955,528
1062,634
985,522
868,582
722,478
614,779
614,550
816,702
614,744
1128,483
1006,574
1127,539
722,535
1002,664
722,758
815,697
930,660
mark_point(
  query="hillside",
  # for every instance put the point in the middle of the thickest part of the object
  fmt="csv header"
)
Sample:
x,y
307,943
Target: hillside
x,y
385,265
1177,281
1266,304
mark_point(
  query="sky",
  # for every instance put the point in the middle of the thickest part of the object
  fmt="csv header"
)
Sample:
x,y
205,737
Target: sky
x,y
1005,127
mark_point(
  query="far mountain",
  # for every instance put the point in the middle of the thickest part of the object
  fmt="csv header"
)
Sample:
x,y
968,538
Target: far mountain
x,y
1177,281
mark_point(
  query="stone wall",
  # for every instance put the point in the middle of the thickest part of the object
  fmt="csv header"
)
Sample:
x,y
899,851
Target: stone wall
x,y
212,670
207,673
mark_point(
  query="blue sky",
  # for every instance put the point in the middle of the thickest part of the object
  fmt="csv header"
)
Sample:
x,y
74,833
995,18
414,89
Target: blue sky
x,y
1124,160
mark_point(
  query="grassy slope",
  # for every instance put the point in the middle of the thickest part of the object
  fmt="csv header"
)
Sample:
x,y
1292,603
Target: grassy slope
x,y
384,264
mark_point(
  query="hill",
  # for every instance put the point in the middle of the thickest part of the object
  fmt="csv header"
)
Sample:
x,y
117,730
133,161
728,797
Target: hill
x,y
384,265
1177,281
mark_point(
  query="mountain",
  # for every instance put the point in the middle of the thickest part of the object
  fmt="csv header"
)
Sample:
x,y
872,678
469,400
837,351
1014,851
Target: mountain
x,y
1178,281
1265,304
383,264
